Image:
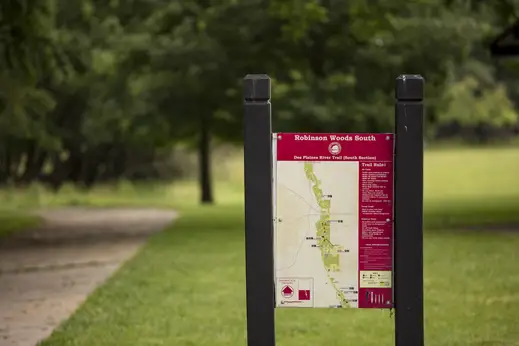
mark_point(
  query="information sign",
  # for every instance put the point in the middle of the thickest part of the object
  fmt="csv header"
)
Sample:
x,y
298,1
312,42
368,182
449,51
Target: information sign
x,y
333,219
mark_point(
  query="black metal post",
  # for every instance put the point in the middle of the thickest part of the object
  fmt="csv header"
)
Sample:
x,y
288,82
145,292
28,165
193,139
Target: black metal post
x,y
258,212
408,241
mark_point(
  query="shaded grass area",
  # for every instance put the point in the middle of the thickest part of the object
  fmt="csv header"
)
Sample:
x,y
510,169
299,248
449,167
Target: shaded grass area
x,y
186,287
12,221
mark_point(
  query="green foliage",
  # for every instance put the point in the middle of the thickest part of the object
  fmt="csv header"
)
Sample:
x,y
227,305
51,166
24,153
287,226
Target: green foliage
x,y
87,84
26,34
469,105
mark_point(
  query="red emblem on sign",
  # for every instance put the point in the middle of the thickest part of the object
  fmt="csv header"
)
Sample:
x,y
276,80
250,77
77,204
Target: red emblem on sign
x,y
334,148
287,291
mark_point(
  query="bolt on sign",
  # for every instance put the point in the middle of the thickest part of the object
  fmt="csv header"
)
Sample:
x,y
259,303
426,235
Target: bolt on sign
x,y
333,219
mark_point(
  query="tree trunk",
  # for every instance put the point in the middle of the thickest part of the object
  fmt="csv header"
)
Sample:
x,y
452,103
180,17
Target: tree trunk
x,y
75,165
59,171
119,161
3,167
92,159
204,156
8,163
34,165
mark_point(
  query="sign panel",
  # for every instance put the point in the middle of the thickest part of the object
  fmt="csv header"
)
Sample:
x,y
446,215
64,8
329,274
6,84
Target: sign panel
x,y
333,220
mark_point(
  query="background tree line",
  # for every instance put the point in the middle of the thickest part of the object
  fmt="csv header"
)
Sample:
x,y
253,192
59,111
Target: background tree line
x,y
98,90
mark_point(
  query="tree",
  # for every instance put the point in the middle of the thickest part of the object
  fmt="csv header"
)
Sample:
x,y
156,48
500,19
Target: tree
x,y
124,82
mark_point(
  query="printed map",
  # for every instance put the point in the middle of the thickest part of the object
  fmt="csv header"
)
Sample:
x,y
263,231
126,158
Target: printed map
x,y
316,233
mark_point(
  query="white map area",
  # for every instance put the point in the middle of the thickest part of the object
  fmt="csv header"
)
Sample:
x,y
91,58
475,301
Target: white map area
x,y
316,236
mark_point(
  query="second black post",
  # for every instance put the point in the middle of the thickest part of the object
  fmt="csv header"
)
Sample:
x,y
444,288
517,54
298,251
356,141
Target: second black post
x,y
408,239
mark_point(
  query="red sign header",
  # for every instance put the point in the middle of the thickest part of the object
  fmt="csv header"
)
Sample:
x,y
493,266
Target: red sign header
x,y
334,147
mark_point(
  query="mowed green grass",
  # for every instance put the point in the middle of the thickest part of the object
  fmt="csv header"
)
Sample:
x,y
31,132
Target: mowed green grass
x,y
471,186
187,286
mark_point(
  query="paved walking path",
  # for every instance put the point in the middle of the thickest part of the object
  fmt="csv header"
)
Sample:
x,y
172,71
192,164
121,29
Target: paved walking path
x,y
47,272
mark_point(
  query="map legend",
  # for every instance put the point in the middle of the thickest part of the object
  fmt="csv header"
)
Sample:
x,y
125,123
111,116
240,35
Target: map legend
x,y
294,292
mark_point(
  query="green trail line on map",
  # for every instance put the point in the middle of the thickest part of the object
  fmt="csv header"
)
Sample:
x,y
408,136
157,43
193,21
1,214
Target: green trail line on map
x,y
329,251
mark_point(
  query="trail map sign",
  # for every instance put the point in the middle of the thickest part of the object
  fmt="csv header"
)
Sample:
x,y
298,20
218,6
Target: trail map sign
x,y
333,220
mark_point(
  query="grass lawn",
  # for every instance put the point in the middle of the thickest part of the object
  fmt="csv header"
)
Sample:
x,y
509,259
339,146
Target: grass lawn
x,y
187,286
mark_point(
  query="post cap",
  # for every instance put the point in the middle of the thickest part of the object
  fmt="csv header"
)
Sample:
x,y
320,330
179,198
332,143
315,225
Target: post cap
x,y
409,87
256,87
